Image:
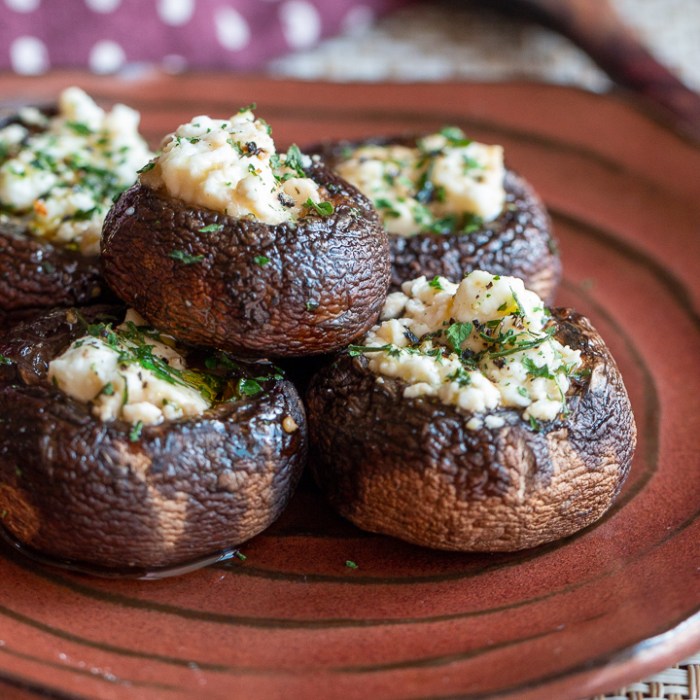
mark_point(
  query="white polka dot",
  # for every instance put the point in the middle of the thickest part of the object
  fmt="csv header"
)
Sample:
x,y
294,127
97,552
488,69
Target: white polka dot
x,y
232,30
23,5
103,6
358,19
301,23
176,12
29,56
106,57
173,63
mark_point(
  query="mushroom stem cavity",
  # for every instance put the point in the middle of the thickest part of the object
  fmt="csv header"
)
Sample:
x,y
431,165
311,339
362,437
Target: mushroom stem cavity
x,y
60,174
480,345
231,166
445,183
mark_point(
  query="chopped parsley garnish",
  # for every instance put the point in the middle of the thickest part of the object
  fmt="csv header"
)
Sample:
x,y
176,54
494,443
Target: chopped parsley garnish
x,y
79,128
135,432
311,305
351,564
249,387
185,258
294,160
355,350
435,283
149,166
248,108
211,228
321,208
5,360
455,136
261,260
535,370
456,334
534,424
108,389
387,207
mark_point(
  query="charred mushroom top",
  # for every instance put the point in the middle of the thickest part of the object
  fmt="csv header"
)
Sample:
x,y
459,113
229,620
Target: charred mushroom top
x,y
129,495
302,272
448,463
59,171
451,206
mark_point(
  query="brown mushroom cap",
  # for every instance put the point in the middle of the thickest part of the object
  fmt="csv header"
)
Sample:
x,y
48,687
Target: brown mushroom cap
x,y
36,275
410,467
324,282
82,492
518,243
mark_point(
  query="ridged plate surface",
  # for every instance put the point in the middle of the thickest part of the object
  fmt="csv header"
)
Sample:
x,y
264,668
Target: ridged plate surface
x,y
608,606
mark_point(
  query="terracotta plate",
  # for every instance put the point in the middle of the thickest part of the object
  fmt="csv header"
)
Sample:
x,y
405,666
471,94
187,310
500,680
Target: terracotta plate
x,y
608,606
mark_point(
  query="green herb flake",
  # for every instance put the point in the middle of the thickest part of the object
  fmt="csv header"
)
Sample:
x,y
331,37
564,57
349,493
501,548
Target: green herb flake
x,y
248,108
294,160
455,136
311,305
261,260
79,128
239,555
321,208
149,166
355,350
185,258
108,389
211,228
249,387
457,333
351,564
435,283
535,370
5,360
534,424
135,433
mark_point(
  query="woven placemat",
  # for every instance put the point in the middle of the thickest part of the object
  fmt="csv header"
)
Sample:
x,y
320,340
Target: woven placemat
x,y
679,682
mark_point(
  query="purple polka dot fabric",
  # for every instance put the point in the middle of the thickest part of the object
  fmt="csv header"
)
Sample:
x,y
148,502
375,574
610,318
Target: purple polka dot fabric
x,y
107,35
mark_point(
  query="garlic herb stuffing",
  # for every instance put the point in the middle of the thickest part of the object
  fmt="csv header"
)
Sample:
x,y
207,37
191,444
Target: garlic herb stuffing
x,y
133,373
446,183
59,175
231,166
480,345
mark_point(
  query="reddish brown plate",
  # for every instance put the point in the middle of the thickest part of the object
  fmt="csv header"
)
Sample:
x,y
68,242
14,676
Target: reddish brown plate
x,y
603,608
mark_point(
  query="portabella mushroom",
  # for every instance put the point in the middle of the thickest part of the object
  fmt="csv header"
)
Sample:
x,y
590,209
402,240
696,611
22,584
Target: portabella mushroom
x,y
59,171
451,206
226,243
472,419
116,457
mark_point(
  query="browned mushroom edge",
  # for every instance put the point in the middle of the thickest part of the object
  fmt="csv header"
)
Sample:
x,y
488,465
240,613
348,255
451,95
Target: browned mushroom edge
x,y
412,469
244,286
90,495
36,275
519,243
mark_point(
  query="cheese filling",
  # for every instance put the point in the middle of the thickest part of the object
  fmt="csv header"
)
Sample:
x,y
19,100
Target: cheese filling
x,y
62,179
480,345
130,373
446,184
231,166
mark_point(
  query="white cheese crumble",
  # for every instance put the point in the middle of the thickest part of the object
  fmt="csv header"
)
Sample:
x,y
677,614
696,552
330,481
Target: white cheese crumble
x,y
62,179
446,183
231,166
479,345
103,369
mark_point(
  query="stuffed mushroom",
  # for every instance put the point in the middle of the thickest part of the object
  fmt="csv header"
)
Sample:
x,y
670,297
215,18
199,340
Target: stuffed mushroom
x,y
224,242
451,206
472,418
59,171
119,452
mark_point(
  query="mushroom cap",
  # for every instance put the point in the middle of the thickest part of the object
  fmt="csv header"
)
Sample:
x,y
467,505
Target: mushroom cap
x,y
324,282
36,275
411,468
518,243
81,492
